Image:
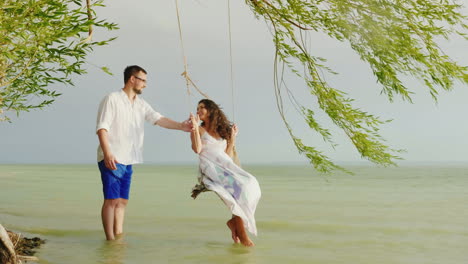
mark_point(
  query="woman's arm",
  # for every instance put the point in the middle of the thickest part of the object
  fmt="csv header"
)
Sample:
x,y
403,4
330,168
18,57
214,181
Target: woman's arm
x,y
195,135
232,142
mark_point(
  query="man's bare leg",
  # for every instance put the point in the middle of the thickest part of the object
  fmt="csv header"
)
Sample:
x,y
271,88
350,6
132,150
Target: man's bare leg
x,y
107,216
119,215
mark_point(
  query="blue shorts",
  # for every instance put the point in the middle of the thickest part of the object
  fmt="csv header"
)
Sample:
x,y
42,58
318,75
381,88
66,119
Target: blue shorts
x,y
116,183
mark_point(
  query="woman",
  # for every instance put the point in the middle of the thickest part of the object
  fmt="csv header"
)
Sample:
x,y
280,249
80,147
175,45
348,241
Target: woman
x,y
214,141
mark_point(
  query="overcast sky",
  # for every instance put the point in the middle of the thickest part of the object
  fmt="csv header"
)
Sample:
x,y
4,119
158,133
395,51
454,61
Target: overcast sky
x,y
148,36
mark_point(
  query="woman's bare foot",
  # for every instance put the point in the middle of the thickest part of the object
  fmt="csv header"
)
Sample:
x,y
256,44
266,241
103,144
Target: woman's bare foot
x,y
231,224
240,231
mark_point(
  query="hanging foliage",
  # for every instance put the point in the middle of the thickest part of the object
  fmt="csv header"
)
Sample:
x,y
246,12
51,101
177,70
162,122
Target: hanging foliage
x,y
396,38
43,42
46,41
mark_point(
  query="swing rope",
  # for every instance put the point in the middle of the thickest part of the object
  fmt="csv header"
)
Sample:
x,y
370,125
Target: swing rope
x,y
188,80
230,62
236,155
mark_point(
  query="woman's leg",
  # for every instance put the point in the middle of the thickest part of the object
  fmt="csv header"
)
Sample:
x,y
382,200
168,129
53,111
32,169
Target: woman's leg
x,y
240,231
232,225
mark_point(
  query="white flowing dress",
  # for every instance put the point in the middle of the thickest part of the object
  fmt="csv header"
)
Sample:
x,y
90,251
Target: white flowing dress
x,y
238,189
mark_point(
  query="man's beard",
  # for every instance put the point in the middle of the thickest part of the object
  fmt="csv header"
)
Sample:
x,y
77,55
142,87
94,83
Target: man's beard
x,y
137,91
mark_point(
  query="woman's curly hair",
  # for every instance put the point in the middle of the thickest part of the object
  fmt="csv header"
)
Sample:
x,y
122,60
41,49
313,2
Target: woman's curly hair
x,y
218,120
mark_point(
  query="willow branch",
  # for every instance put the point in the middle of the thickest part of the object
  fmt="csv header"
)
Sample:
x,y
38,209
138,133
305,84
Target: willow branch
x,y
7,82
90,17
255,2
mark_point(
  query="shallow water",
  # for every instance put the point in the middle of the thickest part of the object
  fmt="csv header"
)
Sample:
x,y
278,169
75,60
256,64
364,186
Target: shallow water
x,y
411,215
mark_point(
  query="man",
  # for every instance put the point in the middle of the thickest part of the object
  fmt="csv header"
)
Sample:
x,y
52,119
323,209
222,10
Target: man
x,y
120,124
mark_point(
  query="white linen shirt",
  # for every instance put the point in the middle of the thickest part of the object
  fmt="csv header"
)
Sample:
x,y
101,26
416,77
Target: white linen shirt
x,y
124,122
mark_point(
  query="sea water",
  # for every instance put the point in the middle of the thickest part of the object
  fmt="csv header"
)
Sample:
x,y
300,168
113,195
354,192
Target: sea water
x,y
407,215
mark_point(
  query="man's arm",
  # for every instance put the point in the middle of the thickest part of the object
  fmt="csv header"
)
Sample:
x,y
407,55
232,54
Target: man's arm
x,y
109,159
171,124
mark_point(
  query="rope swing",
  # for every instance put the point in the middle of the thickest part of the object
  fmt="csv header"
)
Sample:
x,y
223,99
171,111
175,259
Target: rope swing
x,y
188,81
185,74
230,62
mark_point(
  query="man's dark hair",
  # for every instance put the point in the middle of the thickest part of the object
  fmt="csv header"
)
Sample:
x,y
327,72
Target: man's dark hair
x,y
131,70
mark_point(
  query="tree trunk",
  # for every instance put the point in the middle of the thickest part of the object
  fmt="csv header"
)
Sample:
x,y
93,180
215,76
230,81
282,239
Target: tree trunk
x,y
7,249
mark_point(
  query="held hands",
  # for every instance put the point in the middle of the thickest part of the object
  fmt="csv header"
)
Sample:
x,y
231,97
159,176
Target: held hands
x,y
195,121
187,125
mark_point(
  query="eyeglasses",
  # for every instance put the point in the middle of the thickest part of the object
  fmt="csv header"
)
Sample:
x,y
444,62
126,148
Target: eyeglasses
x,y
141,79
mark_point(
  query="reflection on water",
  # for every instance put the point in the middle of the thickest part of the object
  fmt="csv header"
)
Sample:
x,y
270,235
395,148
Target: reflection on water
x,y
239,249
113,252
237,253
241,254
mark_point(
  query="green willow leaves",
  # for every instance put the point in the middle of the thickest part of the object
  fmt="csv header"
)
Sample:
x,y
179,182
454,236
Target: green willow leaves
x,y
397,38
42,42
